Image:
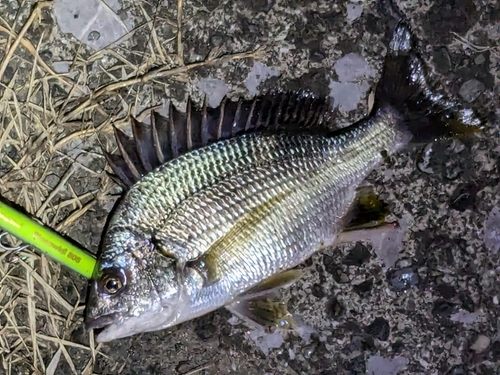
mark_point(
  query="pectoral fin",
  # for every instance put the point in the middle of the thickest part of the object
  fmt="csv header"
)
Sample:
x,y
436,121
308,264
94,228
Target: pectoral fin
x,y
261,304
273,283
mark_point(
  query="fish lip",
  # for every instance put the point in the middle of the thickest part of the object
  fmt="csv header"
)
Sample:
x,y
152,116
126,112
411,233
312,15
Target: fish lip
x,y
100,322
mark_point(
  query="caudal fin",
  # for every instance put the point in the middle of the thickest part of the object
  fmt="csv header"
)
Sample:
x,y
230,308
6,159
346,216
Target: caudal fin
x,y
427,113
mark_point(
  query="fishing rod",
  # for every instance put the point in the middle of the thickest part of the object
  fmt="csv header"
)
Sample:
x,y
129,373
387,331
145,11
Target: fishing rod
x,y
45,240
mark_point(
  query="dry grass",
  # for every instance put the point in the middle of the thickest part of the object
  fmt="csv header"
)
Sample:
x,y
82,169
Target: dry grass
x,y
36,318
474,47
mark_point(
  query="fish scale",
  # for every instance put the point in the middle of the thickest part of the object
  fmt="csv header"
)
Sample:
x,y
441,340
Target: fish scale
x,y
224,204
252,187
181,224
174,227
152,215
172,183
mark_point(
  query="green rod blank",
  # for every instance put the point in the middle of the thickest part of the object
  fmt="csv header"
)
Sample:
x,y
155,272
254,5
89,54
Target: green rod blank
x,y
46,240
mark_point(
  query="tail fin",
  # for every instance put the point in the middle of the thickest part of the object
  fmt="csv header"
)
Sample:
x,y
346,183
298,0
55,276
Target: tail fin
x,y
428,115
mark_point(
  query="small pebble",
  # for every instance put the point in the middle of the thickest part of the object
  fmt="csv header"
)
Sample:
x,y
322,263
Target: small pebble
x,y
317,291
464,197
93,36
364,287
442,308
358,255
481,344
471,89
332,268
308,351
354,11
205,331
479,60
216,40
334,308
183,367
403,278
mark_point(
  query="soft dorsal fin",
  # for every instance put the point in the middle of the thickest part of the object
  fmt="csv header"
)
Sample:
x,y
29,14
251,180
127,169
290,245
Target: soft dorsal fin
x,y
169,137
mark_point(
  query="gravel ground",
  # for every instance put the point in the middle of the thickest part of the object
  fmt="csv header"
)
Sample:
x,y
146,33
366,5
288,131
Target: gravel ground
x,y
357,317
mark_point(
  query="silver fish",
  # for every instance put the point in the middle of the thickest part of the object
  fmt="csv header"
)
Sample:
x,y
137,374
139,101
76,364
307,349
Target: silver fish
x,y
222,204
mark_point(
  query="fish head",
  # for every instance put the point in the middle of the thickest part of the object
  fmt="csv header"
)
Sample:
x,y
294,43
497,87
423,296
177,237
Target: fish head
x,y
134,288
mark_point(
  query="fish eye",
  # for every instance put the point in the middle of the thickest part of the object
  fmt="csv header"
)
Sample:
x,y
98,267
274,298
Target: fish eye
x,y
113,285
112,281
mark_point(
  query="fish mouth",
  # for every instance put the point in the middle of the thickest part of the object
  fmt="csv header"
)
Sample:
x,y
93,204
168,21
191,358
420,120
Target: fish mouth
x,y
100,322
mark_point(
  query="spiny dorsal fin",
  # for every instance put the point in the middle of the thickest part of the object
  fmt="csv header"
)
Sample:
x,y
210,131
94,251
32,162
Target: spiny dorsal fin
x,y
143,139
169,137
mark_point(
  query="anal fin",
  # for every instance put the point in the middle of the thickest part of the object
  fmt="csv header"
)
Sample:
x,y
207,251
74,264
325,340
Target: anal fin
x,y
365,234
367,211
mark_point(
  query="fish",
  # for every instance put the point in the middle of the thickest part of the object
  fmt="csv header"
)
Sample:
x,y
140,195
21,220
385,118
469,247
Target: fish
x,y
222,205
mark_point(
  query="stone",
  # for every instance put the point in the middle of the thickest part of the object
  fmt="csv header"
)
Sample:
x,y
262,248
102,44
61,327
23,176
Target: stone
x,y
471,89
